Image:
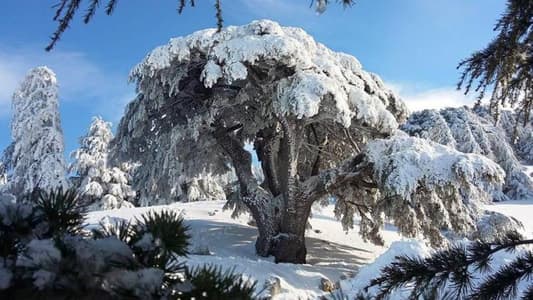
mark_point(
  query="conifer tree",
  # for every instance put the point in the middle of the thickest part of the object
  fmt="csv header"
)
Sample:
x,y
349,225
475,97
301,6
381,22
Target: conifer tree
x,y
321,127
473,131
3,175
100,185
37,150
5,165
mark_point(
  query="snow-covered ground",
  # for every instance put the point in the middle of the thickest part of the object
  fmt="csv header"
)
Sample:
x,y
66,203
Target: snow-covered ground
x,y
332,253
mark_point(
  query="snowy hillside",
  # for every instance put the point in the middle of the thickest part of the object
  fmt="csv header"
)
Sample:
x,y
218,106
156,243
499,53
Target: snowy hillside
x,y
333,253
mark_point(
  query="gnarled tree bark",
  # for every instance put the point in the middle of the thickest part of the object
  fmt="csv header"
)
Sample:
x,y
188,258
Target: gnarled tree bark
x,y
282,204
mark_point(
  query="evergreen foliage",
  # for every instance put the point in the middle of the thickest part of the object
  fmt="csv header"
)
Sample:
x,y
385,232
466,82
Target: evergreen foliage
x,y
474,131
5,166
60,210
16,222
45,251
101,185
449,273
315,119
167,228
66,10
121,229
505,66
212,283
36,154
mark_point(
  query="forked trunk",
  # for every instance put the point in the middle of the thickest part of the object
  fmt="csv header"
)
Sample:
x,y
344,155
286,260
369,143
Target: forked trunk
x,y
279,208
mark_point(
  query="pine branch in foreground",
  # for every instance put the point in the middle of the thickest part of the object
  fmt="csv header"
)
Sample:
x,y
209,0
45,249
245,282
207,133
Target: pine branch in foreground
x,y
449,273
65,12
504,67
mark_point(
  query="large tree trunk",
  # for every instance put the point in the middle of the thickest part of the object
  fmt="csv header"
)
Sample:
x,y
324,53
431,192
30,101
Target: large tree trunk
x,y
265,208
282,204
289,245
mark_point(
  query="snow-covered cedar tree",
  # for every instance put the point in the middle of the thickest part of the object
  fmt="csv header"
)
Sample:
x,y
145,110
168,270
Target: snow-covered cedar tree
x,y
5,168
101,185
37,158
309,112
520,137
158,174
474,132
205,187
3,175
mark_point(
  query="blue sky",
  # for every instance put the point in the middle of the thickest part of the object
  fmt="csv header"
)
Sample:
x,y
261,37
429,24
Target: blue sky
x,y
414,45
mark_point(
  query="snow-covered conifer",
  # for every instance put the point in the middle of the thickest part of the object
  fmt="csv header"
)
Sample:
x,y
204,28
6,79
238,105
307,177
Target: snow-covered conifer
x,y
100,185
308,112
474,132
3,175
165,174
37,157
520,137
205,187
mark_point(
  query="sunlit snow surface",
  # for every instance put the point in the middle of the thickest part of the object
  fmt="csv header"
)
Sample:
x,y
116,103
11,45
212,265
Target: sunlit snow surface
x,y
331,251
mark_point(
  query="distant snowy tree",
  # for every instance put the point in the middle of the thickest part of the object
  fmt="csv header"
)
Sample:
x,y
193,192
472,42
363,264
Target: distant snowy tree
x,y
5,166
309,112
520,137
101,185
37,158
474,132
3,175
204,187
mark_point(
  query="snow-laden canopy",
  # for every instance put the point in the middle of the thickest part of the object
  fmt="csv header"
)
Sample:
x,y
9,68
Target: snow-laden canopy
x,y
37,157
419,185
100,185
308,112
252,75
520,136
473,131
313,72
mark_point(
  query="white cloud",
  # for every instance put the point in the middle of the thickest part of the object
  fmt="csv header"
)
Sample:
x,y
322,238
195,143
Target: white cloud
x,y
434,98
79,78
